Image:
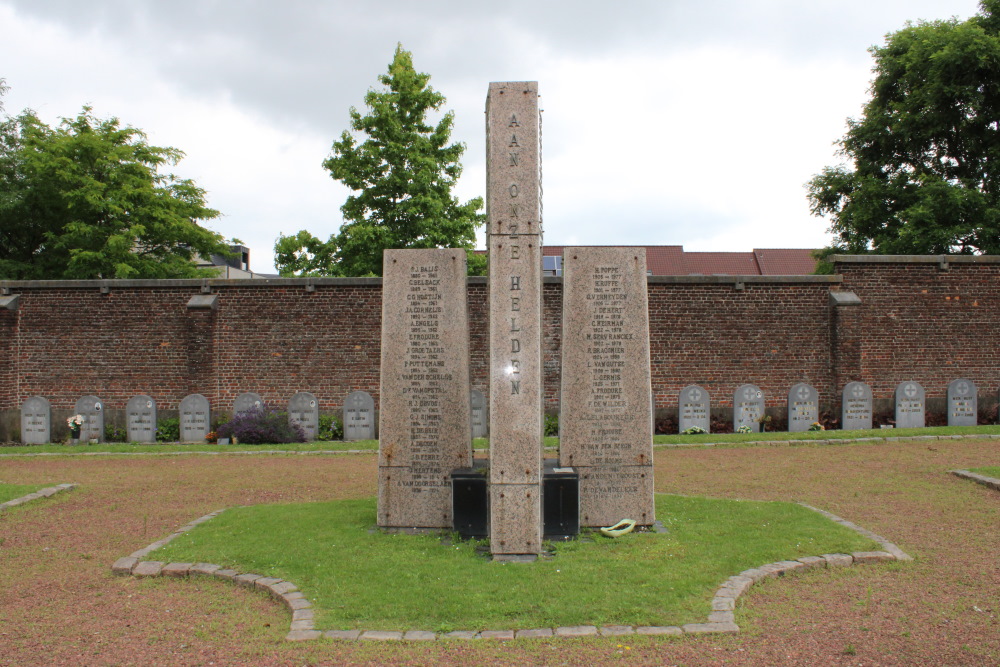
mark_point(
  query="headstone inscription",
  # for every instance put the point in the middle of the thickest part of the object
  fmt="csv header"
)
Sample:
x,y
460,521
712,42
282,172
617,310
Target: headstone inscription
x,y
514,240
359,416
424,391
247,401
856,407
36,421
803,407
606,429
303,409
140,419
196,418
91,409
748,407
910,402
693,409
479,418
963,403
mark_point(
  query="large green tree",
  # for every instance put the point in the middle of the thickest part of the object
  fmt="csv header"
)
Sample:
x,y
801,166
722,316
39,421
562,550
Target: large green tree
x,y
926,152
87,200
401,169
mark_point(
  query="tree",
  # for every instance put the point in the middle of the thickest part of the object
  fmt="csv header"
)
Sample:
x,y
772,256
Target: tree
x,y
402,175
926,152
86,200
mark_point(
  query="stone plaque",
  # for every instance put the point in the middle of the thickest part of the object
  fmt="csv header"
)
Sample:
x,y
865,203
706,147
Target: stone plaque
x,y
140,416
303,409
803,407
514,241
693,408
748,407
424,413
910,402
247,401
196,418
359,416
856,410
91,409
36,421
963,403
480,421
606,424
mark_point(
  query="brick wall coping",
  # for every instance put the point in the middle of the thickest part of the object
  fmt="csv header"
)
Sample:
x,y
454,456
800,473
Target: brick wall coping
x,y
915,259
721,619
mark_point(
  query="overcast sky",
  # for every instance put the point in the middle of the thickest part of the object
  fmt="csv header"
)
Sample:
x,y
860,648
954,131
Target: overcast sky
x,y
665,121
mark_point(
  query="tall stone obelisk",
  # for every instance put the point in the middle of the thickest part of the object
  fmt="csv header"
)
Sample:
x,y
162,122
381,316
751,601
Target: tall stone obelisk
x,y
514,239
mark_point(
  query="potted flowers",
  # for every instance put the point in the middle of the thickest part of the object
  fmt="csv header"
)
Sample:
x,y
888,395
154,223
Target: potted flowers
x,y
75,424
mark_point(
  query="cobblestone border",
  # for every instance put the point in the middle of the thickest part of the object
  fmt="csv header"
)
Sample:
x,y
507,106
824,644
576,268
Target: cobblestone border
x,y
720,619
991,482
47,492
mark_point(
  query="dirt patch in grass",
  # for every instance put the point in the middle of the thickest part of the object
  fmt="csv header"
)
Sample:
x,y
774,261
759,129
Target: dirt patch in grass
x,y
59,604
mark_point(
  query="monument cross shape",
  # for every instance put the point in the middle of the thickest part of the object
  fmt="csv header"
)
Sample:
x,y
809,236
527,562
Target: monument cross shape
x,y
803,393
962,388
910,390
748,394
858,391
694,395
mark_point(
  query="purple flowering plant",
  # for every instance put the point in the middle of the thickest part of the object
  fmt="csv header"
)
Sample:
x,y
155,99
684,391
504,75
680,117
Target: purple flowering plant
x,y
261,425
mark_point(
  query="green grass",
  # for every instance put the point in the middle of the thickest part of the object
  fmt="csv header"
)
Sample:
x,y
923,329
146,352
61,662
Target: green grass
x,y
989,471
11,491
370,580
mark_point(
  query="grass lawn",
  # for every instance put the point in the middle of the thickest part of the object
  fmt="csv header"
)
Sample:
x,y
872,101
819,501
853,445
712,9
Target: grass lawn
x,y
11,491
369,580
989,471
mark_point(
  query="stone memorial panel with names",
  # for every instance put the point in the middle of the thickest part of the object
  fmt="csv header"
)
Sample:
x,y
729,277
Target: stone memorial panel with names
x,y
693,409
195,418
359,416
480,419
963,403
910,405
247,401
803,407
36,421
91,408
424,414
303,409
856,407
606,425
748,407
140,419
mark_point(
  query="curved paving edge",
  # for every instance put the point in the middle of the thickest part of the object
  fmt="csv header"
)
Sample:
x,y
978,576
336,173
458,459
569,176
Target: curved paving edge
x,y
720,619
991,482
47,492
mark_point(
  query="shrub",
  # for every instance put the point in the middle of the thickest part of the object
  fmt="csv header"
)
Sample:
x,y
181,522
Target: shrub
x,y
261,425
114,433
551,425
330,428
168,430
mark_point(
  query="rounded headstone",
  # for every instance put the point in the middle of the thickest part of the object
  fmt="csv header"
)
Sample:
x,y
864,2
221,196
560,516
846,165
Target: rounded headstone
x,y
693,408
748,407
36,421
140,415
963,403
803,407
856,407
91,409
195,418
910,402
247,401
359,416
303,409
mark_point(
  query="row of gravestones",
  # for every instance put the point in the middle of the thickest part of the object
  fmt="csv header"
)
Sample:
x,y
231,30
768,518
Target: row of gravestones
x,y
195,417
803,406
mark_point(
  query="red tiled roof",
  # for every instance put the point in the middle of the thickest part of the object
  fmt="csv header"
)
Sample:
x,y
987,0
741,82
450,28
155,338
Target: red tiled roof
x,y
724,263
785,261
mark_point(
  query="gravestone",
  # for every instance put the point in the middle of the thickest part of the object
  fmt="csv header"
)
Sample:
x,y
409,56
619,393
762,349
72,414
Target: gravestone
x,y
36,421
479,418
140,419
748,407
247,401
359,416
910,402
693,408
195,417
606,426
856,407
424,392
963,403
514,240
803,407
92,410
303,409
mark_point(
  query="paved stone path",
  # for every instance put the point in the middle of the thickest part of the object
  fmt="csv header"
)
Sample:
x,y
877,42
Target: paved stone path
x,y
47,492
